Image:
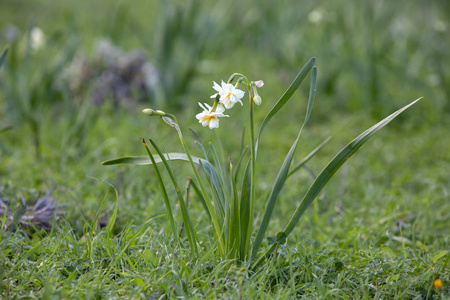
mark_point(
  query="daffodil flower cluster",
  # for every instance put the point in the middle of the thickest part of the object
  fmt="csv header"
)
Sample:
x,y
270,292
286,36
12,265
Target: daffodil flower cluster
x,y
226,97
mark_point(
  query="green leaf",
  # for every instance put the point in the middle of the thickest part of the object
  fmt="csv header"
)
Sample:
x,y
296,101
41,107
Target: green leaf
x,y
234,238
336,163
245,213
439,255
200,146
280,239
139,282
217,163
145,160
283,173
287,95
214,180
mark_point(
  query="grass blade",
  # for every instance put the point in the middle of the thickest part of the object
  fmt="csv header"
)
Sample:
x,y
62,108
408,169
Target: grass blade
x,y
283,173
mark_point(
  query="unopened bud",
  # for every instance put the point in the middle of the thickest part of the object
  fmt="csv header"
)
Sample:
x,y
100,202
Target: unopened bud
x,y
230,80
257,100
259,83
150,112
256,96
239,81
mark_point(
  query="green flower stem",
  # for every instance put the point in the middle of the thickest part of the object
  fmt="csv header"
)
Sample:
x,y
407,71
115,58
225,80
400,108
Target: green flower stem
x,y
247,82
217,227
253,174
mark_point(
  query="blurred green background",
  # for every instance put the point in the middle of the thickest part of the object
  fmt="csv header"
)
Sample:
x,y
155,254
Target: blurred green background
x,y
78,72
372,55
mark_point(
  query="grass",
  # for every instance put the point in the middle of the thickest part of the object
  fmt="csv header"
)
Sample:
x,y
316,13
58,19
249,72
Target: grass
x,y
380,230
345,246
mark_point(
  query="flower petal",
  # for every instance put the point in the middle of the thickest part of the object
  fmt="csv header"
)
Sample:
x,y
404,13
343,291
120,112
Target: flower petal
x,y
214,123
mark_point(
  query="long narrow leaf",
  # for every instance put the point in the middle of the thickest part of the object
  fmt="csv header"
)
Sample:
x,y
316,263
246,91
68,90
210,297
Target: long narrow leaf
x,y
336,163
282,175
234,237
245,213
145,160
211,173
200,146
331,169
217,163
287,95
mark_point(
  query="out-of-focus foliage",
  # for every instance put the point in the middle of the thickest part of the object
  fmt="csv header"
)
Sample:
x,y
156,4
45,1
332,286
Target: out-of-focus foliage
x,y
372,54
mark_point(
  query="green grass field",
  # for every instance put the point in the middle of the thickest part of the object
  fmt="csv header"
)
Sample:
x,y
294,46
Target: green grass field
x,y
379,230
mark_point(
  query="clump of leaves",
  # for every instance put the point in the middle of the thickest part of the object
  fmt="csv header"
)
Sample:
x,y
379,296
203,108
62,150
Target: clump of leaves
x,y
227,190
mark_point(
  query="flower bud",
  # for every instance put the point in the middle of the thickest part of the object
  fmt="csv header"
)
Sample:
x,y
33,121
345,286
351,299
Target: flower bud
x,y
230,80
150,112
259,83
238,82
257,100
256,96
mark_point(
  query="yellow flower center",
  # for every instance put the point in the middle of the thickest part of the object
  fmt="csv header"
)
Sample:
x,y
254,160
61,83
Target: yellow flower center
x,y
208,118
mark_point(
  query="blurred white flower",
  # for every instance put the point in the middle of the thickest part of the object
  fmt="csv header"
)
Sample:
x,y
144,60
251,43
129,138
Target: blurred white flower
x,y
37,38
210,118
229,95
315,16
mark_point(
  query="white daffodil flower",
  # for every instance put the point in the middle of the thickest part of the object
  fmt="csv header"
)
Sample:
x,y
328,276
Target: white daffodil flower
x,y
210,118
229,95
